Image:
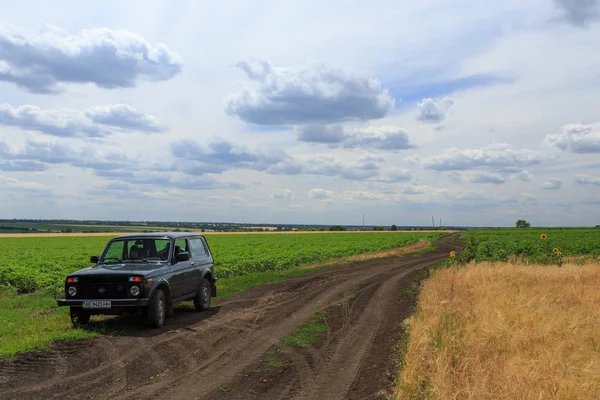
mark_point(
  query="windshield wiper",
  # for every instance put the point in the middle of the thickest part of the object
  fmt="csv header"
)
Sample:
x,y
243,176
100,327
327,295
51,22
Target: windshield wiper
x,y
111,259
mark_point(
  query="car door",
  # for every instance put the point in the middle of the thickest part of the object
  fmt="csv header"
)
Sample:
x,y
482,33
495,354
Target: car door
x,y
200,259
180,285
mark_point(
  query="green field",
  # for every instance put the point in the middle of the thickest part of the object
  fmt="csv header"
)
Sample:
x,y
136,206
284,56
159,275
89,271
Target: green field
x,y
527,243
37,266
32,263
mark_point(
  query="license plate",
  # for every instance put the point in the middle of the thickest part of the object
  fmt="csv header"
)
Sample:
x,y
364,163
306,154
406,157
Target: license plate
x,y
96,304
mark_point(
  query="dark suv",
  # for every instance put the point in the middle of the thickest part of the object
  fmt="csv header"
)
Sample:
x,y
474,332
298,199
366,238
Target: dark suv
x,y
146,273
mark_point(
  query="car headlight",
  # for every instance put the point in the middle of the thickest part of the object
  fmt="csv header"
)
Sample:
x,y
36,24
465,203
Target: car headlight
x,y
72,290
134,290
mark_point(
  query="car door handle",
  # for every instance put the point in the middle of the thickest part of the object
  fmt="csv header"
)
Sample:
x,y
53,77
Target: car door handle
x,y
192,263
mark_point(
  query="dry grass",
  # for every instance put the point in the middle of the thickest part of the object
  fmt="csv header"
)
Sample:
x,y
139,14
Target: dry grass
x,y
503,331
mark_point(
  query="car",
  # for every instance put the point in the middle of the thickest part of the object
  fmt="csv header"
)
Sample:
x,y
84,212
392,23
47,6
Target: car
x,y
147,274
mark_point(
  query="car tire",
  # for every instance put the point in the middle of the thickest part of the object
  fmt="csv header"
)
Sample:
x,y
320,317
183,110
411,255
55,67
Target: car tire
x,y
79,317
202,299
157,309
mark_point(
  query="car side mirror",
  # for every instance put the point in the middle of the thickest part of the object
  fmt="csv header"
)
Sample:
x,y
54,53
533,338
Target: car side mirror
x,y
183,256
94,259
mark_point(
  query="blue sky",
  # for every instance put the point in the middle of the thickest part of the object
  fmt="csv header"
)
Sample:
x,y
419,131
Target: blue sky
x,y
301,112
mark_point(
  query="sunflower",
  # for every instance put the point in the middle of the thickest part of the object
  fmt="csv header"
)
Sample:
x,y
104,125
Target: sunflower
x,y
468,243
556,250
543,236
559,254
452,254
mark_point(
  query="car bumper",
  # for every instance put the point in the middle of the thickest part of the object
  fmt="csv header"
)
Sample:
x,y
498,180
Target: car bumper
x,y
113,302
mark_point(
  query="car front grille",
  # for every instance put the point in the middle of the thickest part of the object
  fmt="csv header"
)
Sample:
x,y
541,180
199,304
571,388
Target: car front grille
x,y
103,291
102,287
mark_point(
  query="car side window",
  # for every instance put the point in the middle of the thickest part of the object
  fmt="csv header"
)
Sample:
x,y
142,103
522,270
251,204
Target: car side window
x,y
198,249
180,246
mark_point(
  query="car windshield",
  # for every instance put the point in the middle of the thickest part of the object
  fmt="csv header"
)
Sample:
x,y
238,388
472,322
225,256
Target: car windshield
x,y
137,250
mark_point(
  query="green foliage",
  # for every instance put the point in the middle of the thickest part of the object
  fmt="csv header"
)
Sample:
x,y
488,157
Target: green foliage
x,y
500,244
394,228
31,263
523,224
378,228
338,228
309,332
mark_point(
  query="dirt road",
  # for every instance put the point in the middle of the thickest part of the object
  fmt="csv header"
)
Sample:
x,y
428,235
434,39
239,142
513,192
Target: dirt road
x,y
235,350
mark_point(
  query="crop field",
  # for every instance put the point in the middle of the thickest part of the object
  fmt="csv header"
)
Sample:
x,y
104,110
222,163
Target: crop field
x,y
505,331
28,264
536,245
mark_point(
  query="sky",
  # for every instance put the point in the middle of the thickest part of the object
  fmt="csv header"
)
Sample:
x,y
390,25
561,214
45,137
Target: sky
x,y
302,112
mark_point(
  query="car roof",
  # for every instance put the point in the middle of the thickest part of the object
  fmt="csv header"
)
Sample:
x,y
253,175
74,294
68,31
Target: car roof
x,y
170,235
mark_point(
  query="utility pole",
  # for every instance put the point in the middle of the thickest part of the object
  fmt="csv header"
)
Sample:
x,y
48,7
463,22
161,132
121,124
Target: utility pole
x,y
440,222
432,222
363,222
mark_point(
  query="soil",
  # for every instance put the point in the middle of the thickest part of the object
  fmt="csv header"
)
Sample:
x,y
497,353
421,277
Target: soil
x,y
234,351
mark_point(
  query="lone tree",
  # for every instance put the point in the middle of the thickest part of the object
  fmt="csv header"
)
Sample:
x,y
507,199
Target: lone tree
x,y
523,224
394,228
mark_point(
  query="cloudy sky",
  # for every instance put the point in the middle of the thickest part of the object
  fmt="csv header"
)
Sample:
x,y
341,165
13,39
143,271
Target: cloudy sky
x,y
479,113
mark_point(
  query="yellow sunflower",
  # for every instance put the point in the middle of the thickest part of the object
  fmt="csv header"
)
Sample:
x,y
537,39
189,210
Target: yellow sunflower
x,y
468,243
556,250
559,254
543,236
452,254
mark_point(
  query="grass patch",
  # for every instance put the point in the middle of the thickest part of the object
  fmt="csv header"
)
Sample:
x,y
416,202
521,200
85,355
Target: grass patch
x,y
32,322
273,361
310,332
504,331
226,389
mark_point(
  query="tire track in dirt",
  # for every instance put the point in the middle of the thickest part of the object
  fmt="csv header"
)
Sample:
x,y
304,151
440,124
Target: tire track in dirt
x,y
196,354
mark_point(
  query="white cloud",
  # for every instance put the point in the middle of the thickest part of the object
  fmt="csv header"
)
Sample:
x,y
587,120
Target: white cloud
x,y
320,194
552,184
495,156
583,179
364,195
36,151
314,94
433,110
413,189
38,62
398,175
282,194
576,138
485,177
364,167
373,137
321,133
524,176
220,156
579,12
92,122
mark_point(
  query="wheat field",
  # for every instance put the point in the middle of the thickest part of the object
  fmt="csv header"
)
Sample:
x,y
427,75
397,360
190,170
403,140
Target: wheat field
x,y
502,331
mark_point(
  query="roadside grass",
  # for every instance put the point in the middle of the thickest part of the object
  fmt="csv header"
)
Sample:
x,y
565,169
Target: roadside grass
x,y
33,321
504,331
308,333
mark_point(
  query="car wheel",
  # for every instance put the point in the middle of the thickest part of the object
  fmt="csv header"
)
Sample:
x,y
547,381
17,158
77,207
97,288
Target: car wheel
x,y
157,309
202,299
79,317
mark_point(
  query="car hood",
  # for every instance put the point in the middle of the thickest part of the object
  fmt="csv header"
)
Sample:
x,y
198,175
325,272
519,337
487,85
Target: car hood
x,y
128,268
